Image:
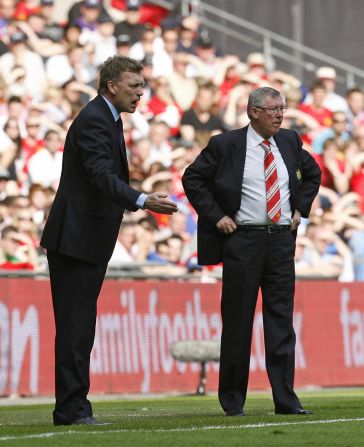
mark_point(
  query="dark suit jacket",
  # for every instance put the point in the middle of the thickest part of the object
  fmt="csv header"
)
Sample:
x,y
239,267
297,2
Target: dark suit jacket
x,y
213,183
93,192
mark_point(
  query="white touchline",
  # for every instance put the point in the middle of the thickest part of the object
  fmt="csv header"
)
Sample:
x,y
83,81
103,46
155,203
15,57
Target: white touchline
x,y
181,429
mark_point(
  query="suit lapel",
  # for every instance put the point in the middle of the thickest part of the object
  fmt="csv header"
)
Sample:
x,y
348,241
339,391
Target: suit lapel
x,y
238,154
286,154
119,143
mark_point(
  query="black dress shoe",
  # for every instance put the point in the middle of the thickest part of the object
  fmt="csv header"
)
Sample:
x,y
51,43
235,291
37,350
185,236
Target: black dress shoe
x,y
235,413
299,411
88,420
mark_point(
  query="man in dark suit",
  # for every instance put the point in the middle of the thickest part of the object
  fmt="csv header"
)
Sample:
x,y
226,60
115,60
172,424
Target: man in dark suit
x,y
250,188
83,225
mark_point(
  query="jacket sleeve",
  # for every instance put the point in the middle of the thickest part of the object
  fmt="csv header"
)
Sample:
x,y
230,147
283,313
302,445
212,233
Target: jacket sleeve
x,y
197,182
94,147
311,179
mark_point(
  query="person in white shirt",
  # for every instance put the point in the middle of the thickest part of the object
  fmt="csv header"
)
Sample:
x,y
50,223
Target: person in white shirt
x,y
44,167
20,56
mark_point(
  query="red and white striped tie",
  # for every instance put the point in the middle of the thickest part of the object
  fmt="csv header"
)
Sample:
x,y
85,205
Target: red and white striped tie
x,y
271,184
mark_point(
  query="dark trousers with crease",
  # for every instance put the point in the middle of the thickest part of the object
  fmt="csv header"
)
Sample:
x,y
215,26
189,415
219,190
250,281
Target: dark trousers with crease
x,y
75,286
253,260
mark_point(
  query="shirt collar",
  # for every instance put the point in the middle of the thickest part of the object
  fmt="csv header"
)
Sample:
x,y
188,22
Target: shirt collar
x,y
256,139
112,108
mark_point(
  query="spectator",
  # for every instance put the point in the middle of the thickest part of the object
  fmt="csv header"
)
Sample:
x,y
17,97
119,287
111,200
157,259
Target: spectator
x,y
163,58
16,109
160,146
160,253
76,94
4,179
101,39
16,250
7,12
175,249
200,121
355,110
131,26
32,64
24,223
333,101
294,118
316,107
307,258
147,46
71,36
140,158
123,44
229,75
338,131
52,30
183,87
356,244
188,35
124,250
72,65
37,38
207,54
33,142
356,161
257,65
45,166
24,8
235,115
336,172
335,257
86,13
162,105
40,201
9,158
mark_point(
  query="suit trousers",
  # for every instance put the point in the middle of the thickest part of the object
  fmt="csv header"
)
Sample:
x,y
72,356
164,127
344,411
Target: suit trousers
x,y
75,286
253,260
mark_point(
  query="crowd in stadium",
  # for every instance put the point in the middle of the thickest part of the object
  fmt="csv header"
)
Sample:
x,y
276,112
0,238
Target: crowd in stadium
x,y
48,72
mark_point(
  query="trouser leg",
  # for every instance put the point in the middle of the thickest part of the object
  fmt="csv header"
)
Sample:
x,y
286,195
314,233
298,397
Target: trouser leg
x,y
279,336
243,261
75,288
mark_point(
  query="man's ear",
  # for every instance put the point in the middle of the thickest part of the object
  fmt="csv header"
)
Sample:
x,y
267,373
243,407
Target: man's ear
x,y
254,113
111,86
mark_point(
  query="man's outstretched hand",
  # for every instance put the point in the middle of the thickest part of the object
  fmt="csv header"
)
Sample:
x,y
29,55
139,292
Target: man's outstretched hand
x,y
158,202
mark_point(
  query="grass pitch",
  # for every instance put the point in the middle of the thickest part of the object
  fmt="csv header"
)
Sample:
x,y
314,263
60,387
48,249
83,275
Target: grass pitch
x,y
338,420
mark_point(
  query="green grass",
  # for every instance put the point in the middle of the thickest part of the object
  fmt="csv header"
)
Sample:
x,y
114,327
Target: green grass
x,y
194,421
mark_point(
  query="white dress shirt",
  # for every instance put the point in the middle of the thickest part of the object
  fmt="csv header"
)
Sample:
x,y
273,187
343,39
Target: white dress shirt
x,y
253,207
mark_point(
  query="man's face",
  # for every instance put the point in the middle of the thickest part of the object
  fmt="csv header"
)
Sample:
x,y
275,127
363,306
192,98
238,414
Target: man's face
x,y
132,16
53,142
205,100
10,243
339,122
127,91
356,102
7,9
268,118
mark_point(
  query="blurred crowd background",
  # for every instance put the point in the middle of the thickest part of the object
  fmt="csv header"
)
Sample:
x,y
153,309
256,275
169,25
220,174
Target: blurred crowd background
x,y
48,72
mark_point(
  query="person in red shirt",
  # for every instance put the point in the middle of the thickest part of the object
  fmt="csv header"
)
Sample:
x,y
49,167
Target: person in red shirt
x,y
163,105
336,172
25,8
316,109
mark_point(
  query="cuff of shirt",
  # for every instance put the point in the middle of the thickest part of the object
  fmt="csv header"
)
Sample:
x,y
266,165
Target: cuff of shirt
x,y
141,200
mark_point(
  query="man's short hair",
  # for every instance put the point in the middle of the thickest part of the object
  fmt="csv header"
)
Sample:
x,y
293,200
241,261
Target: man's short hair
x,y
113,67
256,97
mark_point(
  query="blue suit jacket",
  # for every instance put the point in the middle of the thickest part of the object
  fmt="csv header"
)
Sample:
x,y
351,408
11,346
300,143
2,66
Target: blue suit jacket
x,y
93,192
